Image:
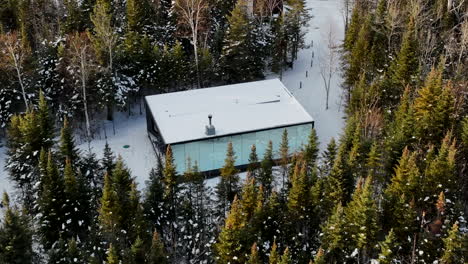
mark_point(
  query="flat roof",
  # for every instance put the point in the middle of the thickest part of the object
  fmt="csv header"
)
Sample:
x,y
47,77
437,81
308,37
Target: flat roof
x,y
238,108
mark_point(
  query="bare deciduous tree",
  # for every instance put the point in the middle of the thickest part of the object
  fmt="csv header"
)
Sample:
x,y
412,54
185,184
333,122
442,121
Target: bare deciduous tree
x,y
13,56
328,59
266,8
82,63
393,20
346,8
463,40
192,14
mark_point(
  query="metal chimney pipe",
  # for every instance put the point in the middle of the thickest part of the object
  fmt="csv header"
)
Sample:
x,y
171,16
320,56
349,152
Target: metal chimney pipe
x,y
209,117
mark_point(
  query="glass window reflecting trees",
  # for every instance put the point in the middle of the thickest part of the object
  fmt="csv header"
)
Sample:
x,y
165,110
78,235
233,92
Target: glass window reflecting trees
x,y
211,152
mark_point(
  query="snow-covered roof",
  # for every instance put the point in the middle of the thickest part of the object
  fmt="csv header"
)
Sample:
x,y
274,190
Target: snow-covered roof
x,y
237,108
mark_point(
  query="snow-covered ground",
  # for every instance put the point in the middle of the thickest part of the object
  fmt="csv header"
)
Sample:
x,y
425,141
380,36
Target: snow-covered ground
x,y
140,157
328,123
5,184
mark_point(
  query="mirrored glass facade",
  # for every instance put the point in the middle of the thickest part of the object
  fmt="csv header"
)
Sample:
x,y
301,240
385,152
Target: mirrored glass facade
x,y
210,153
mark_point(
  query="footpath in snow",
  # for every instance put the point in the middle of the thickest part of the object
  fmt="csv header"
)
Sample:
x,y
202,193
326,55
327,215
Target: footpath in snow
x,y
131,131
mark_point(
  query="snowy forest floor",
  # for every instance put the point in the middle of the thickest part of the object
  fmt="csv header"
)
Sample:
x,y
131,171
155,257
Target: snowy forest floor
x,y
140,157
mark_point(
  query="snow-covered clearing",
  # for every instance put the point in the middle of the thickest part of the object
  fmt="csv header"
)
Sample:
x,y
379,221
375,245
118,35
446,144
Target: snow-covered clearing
x,y
140,157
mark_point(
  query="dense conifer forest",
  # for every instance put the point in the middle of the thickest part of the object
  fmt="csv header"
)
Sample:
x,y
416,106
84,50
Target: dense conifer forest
x,y
392,189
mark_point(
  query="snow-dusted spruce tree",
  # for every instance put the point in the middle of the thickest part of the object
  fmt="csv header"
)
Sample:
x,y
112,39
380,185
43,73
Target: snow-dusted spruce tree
x,y
254,164
284,158
15,234
153,199
67,147
50,78
239,61
228,187
198,220
27,136
119,215
266,177
328,158
52,218
296,19
77,207
171,203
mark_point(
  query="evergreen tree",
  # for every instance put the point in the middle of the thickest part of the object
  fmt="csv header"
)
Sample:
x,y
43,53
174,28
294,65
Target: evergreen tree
x,y
358,59
266,169
156,254
137,252
253,167
108,160
311,150
93,174
15,236
27,136
328,158
67,146
117,214
361,219
170,175
319,258
228,187
400,133
373,162
299,192
76,207
440,174
136,15
137,225
334,237
72,21
74,254
196,215
406,180
153,203
231,247
171,204
380,50
109,210
453,247
51,200
404,69
238,60
284,154
46,123
274,257
286,257
254,258
249,198
388,249
296,21
433,108
112,255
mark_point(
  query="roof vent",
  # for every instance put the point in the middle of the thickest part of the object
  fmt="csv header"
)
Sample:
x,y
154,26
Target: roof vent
x,y
210,129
